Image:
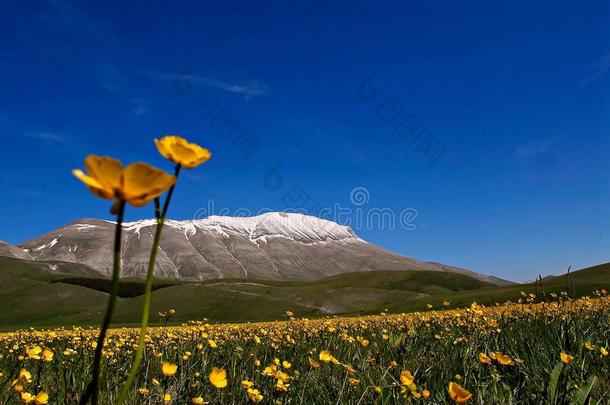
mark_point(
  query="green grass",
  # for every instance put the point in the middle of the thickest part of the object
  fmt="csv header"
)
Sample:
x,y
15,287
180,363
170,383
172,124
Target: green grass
x,y
72,294
437,347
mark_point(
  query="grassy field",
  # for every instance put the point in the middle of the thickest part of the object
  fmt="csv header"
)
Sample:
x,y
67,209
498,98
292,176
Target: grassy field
x,y
508,354
31,295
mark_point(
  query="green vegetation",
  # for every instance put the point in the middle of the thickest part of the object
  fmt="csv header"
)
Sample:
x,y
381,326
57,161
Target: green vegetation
x,y
552,354
57,293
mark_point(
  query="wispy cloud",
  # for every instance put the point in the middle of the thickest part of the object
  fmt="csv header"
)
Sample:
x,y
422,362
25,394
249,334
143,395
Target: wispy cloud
x,y
117,81
597,70
533,148
47,136
248,88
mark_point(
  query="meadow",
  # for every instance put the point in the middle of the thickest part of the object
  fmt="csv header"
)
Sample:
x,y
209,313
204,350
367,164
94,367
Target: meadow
x,y
523,352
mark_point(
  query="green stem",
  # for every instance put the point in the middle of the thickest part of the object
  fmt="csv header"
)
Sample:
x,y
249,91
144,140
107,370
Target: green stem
x,y
147,296
93,387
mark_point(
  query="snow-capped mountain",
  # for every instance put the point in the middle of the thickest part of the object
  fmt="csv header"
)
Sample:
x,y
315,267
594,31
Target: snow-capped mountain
x,y
272,246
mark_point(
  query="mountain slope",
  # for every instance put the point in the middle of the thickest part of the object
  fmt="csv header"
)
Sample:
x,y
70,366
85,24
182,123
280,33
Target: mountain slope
x,y
272,246
31,295
8,250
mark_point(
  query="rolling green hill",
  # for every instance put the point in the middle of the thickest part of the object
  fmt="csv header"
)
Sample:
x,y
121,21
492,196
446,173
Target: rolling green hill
x,y
57,293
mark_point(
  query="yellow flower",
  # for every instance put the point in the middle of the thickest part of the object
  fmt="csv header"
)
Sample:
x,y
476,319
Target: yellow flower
x,y
458,393
603,351
280,386
155,382
24,376
589,346
406,378
286,364
349,369
218,377
47,354
325,356
254,395
143,391
27,398
313,363
33,352
212,344
247,384
167,398
169,369
42,398
566,358
137,183
504,359
484,359
198,401
182,152
425,394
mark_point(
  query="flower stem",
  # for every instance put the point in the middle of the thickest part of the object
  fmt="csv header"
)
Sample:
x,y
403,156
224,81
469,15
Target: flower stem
x,y
93,387
147,294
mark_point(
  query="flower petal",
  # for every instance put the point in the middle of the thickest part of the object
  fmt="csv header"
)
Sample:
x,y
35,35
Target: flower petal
x,y
179,150
107,171
94,186
143,182
163,146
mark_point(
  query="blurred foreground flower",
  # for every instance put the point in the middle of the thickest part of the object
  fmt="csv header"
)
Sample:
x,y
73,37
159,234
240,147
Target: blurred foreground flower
x,y
136,184
182,152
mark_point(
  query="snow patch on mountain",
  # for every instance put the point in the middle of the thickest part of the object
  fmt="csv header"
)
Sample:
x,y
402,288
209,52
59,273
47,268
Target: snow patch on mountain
x,y
300,228
48,245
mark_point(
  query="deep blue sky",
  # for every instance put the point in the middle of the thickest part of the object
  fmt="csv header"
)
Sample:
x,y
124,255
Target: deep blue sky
x,y
517,95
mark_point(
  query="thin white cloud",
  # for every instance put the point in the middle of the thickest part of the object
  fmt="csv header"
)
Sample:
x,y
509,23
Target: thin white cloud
x,y
117,81
597,70
248,88
47,136
533,148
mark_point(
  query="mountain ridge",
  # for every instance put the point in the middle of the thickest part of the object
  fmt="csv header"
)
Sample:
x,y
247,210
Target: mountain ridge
x,y
271,246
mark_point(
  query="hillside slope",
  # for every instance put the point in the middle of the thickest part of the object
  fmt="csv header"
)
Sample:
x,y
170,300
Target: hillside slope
x,y
272,246
72,294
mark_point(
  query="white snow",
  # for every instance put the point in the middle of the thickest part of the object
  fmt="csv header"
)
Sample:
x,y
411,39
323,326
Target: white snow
x,y
84,227
138,225
47,245
300,228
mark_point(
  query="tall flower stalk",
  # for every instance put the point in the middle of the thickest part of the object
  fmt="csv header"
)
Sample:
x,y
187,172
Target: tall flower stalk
x,y
160,215
183,154
136,184
93,387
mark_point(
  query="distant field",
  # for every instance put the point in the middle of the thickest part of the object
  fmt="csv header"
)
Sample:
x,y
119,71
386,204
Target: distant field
x,y
71,294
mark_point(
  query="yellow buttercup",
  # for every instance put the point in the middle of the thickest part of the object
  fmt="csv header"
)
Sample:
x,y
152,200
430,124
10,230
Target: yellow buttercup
x,y
182,152
136,184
